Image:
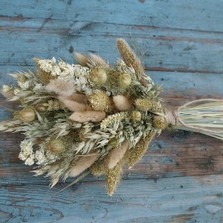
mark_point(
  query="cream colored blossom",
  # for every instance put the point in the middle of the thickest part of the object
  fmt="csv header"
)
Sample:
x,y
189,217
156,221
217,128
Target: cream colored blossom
x,y
26,154
40,156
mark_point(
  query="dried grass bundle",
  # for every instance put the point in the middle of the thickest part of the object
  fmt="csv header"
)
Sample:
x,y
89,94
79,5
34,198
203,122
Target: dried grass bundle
x,y
94,118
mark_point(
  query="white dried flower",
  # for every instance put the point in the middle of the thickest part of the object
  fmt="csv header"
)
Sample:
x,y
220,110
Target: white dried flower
x,y
26,154
40,156
30,160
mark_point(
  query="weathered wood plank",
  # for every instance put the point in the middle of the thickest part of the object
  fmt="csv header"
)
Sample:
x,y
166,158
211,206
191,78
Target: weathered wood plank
x,y
172,154
179,48
199,15
161,50
176,200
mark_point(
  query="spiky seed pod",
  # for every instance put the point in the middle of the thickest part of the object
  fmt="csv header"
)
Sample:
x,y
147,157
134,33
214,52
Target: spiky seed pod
x,y
144,104
135,154
156,107
98,168
27,115
40,107
7,91
124,80
136,116
98,76
56,145
122,103
88,116
116,154
129,57
112,179
159,122
100,101
44,76
82,164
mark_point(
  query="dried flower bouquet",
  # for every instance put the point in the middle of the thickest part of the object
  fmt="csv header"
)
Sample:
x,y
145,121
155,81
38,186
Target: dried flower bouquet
x,y
94,118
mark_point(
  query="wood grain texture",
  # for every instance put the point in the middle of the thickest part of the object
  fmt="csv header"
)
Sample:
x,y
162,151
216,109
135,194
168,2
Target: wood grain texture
x,y
180,179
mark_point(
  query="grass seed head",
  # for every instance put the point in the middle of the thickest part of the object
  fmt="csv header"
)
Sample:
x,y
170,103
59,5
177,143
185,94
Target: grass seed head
x,y
98,76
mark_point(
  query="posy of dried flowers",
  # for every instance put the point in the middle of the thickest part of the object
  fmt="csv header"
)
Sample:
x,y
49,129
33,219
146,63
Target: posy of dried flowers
x,y
94,118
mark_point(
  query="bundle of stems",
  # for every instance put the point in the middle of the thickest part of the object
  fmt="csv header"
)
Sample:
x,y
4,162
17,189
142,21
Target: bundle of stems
x,y
95,118
203,116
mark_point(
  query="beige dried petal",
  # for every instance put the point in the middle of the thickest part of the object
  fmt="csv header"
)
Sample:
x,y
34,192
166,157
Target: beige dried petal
x,y
117,154
98,60
122,103
60,87
86,116
82,164
72,105
81,98
81,59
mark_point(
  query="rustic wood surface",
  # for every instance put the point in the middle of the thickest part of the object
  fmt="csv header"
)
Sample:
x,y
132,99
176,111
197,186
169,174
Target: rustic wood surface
x,y
180,179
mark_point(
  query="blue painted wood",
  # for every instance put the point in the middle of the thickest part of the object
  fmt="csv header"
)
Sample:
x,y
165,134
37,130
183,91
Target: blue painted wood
x,y
167,200
181,45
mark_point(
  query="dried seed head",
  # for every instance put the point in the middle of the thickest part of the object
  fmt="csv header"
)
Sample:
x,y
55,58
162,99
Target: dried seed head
x,y
122,103
27,115
72,105
60,87
124,80
86,116
22,78
113,142
44,76
16,91
82,164
98,76
135,154
136,116
81,98
159,122
40,107
144,104
116,154
129,57
81,59
100,101
98,60
56,145
7,91
112,179
115,118
98,168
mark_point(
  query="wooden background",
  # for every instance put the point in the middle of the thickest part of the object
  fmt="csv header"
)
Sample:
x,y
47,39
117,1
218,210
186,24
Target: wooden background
x,y
180,179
